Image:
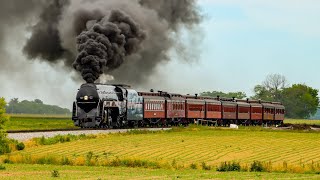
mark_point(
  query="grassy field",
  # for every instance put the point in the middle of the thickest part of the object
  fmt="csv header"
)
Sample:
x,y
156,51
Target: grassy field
x,y
41,115
293,151
302,121
47,121
25,171
29,122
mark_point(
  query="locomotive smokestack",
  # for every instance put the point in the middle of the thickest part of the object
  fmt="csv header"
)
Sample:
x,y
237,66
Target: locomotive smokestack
x,y
218,97
196,96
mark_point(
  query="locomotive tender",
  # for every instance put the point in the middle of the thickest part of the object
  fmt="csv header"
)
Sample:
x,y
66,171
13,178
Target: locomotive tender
x,y
115,105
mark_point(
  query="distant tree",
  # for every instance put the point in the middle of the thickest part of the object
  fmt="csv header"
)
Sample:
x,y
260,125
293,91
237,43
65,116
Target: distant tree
x,y
38,101
301,101
4,147
14,101
271,88
238,95
34,107
274,83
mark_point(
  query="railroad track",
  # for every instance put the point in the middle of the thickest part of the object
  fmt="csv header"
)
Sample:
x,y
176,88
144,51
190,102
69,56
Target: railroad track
x,y
52,130
22,135
82,129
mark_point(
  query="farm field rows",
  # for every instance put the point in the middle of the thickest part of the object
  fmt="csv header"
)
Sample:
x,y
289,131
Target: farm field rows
x,y
27,171
196,145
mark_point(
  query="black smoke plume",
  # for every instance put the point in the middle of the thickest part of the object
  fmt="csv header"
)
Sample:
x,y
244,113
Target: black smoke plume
x,y
127,39
106,44
45,42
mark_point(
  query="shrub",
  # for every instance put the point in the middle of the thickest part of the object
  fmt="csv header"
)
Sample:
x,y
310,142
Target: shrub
x,y
4,146
193,166
88,158
20,146
7,161
205,166
223,167
55,173
227,166
65,161
257,166
2,167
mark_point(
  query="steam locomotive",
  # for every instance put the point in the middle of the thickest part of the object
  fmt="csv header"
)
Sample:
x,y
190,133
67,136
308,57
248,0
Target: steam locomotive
x,y
116,106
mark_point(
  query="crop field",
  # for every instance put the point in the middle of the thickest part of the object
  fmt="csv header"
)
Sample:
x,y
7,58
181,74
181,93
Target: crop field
x,y
293,151
30,122
180,153
26,171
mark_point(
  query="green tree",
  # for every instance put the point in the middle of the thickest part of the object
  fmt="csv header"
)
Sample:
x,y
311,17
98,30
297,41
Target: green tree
x,y
262,93
300,100
238,95
4,147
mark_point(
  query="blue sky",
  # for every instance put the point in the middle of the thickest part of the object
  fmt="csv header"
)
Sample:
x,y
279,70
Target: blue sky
x,y
244,41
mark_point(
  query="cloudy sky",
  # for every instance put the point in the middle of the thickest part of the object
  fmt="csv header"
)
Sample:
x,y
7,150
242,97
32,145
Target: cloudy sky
x,y
241,43
246,40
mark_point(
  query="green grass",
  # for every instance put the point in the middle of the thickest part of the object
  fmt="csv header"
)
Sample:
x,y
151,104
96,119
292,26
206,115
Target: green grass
x,y
24,171
48,121
38,122
302,121
41,115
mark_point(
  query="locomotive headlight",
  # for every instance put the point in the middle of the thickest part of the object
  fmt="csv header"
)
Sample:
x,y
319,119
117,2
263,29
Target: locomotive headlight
x,y
85,98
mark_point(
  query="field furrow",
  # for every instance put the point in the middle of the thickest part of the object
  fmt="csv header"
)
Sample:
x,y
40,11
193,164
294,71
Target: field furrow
x,y
210,145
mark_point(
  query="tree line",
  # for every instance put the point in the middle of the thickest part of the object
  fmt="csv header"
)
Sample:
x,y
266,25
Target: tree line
x,y
300,100
33,107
